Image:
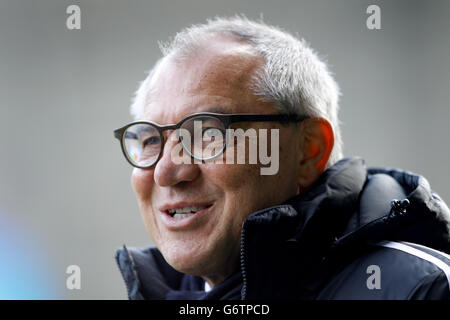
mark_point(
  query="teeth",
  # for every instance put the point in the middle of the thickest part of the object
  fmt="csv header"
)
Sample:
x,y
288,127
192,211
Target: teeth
x,y
182,215
186,211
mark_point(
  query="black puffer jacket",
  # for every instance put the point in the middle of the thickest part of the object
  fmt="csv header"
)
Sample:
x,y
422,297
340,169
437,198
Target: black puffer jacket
x,y
344,239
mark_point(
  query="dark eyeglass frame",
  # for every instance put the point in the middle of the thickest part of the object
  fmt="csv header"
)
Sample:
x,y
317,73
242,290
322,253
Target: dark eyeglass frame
x,y
226,119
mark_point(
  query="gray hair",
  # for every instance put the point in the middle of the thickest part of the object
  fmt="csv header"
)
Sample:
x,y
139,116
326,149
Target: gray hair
x,y
293,77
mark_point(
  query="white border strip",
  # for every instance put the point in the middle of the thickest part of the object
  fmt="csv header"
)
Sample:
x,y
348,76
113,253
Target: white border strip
x,y
428,248
418,253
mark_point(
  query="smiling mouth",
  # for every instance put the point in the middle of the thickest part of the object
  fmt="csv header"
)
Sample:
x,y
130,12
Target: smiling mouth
x,y
185,212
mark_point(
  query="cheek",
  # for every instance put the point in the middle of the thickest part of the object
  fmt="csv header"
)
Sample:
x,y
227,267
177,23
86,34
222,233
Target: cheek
x,y
230,177
142,182
242,189
247,190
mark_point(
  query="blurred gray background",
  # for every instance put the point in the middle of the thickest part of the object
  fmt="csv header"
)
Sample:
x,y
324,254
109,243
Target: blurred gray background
x,y
65,192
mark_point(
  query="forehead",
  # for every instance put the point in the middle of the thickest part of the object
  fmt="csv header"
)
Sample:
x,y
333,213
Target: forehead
x,y
215,78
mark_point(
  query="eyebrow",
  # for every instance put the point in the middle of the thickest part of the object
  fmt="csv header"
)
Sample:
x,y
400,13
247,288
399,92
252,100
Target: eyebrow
x,y
139,130
217,109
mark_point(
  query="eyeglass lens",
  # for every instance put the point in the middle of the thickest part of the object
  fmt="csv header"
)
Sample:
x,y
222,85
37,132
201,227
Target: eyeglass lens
x,y
202,137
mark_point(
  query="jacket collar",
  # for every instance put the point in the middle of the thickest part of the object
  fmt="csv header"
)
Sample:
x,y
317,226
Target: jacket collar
x,y
290,240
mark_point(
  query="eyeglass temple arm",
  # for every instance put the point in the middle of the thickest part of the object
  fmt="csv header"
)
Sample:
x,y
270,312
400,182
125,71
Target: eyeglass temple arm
x,y
118,134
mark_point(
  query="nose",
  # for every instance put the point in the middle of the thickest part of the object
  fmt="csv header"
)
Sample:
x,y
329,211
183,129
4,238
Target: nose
x,y
171,170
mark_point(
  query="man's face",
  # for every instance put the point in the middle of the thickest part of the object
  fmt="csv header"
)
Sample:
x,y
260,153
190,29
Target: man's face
x,y
207,243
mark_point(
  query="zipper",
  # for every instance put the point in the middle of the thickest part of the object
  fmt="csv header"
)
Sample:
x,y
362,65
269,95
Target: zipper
x,y
398,208
243,271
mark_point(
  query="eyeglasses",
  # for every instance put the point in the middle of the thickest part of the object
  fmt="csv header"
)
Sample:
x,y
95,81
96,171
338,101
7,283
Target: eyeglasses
x,y
202,135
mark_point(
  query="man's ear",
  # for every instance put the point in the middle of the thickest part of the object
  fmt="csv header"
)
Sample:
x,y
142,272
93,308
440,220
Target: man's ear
x,y
316,144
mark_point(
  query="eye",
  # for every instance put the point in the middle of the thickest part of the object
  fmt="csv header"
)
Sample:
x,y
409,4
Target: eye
x,y
212,132
154,140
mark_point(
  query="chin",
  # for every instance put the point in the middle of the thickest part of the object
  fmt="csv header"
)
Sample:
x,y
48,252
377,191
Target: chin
x,y
186,259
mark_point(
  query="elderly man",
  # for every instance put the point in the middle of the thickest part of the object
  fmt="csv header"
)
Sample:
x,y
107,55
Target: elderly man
x,y
318,226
